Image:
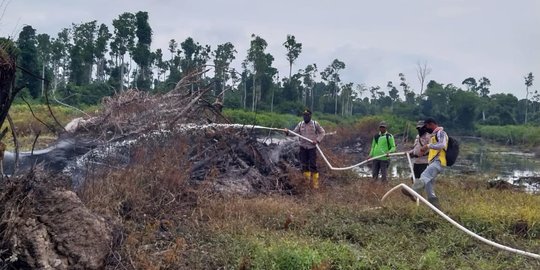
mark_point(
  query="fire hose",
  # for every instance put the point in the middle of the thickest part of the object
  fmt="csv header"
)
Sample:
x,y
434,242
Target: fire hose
x,y
419,198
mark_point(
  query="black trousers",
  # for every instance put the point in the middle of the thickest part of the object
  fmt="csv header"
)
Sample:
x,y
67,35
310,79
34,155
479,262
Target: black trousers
x,y
418,169
382,167
308,158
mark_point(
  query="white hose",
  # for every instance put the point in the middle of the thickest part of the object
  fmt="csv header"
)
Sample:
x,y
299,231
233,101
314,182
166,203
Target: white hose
x,y
297,135
412,173
467,231
343,168
404,186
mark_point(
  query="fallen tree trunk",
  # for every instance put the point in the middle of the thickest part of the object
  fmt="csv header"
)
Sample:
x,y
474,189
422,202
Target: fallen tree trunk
x,y
46,226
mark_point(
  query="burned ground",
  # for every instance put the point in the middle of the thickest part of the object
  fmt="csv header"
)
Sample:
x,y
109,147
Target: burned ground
x,y
143,159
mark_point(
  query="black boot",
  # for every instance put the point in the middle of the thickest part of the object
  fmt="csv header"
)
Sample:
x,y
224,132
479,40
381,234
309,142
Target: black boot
x,y
435,202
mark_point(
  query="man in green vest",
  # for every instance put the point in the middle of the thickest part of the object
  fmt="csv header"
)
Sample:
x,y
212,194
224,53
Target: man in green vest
x,y
382,143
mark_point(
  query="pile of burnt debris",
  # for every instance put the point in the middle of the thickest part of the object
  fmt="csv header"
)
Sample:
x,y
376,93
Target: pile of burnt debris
x,y
44,224
235,160
133,122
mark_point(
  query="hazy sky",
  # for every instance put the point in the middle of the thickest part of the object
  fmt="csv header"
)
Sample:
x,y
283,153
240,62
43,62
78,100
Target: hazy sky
x,y
376,39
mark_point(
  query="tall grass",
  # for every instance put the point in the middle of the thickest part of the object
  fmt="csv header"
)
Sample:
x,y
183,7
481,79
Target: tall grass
x,y
27,126
278,120
511,134
262,118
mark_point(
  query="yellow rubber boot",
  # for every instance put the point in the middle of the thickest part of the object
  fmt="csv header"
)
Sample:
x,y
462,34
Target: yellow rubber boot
x,y
307,175
316,180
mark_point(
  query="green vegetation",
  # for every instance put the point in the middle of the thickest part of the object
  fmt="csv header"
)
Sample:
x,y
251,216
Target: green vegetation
x,y
526,134
86,47
340,227
279,120
334,233
27,126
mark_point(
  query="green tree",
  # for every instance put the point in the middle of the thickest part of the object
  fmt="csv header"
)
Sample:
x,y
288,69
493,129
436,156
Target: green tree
x,y
195,55
123,42
393,93
223,57
471,84
373,91
528,83
82,52
28,60
141,52
261,63
292,88
174,62
309,74
161,64
408,94
437,103
502,110
483,86
60,48
483,89
348,96
331,75
293,51
44,53
100,49
461,106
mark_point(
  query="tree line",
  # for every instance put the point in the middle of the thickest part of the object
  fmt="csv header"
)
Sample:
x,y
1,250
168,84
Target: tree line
x,y
88,61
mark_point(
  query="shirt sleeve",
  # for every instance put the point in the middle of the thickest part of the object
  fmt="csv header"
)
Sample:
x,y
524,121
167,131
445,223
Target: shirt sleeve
x,y
415,150
441,141
297,128
372,147
320,131
392,145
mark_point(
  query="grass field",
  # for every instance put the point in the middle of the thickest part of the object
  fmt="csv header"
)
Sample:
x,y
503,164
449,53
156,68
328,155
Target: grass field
x,y
160,222
342,226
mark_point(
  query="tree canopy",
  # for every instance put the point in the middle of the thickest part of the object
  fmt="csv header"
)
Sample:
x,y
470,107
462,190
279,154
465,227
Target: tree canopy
x,y
90,60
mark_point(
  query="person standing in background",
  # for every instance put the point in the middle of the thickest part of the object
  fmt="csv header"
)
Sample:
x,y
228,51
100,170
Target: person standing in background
x,y
382,143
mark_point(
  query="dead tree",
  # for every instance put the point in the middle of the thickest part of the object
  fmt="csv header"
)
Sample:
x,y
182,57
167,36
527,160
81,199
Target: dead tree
x,y
8,56
422,71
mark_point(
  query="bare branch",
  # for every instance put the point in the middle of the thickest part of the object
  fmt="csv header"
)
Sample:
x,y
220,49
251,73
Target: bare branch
x,y
35,117
15,142
422,71
34,143
67,105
